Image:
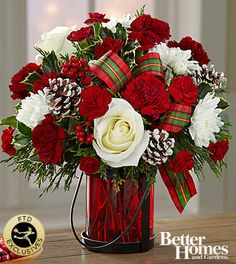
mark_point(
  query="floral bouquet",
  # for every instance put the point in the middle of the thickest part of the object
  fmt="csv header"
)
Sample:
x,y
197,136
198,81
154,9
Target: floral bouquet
x,y
120,100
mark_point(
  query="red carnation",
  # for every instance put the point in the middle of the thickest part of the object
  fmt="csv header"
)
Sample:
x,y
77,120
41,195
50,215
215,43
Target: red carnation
x,y
44,81
147,93
20,90
7,137
94,102
47,138
198,52
183,90
183,161
81,34
218,150
108,44
148,31
96,17
89,165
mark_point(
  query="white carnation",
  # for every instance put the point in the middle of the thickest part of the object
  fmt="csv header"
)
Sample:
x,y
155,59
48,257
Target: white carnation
x,y
176,59
33,109
205,121
125,21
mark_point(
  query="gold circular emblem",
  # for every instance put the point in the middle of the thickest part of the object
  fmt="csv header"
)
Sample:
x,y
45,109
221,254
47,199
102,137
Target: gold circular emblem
x,y
24,234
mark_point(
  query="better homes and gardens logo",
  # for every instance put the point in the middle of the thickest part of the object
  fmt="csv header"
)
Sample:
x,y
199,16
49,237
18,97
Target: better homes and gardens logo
x,y
192,247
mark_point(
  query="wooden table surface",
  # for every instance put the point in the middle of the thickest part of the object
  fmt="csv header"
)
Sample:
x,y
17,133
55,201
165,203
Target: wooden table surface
x,y
61,247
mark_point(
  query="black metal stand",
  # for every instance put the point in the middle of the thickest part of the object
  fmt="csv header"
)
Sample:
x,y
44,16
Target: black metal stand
x,y
118,248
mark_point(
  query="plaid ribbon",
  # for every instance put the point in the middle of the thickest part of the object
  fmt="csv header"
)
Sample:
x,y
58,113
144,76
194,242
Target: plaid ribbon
x,y
111,69
177,118
180,191
150,63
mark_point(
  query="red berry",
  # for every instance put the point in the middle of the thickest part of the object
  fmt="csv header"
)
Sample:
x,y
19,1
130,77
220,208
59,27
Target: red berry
x,y
88,123
89,139
65,71
80,66
71,73
75,65
86,68
73,59
81,139
78,128
81,134
5,248
83,60
80,75
5,256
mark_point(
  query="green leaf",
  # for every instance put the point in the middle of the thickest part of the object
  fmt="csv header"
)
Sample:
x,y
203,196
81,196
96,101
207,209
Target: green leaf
x,y
9,121
141,11
73,123
121,32
23,129
18,106
50,63
83,44
223,104
21,140
31,78
105,32
204,88
96,28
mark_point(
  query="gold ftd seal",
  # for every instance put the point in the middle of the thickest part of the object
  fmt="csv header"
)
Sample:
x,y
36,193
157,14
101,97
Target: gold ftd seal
x,y
24,234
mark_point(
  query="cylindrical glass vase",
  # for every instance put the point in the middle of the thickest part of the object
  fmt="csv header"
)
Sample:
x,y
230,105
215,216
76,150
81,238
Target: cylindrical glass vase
x,y
110,212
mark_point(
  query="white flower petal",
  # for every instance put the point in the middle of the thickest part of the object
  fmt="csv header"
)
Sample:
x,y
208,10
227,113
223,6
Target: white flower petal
x,y
56,40
133,159
177,59
33,109
119,135
205,121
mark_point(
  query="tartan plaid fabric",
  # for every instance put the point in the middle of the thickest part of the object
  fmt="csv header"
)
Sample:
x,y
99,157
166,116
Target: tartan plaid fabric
x,y
151,63
177,118
111,69
180,191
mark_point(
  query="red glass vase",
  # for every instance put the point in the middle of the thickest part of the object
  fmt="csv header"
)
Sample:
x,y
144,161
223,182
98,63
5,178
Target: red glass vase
x,y
110,212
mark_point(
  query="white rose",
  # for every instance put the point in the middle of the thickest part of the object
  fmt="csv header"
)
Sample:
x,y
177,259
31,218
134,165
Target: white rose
x,y
56,40
120,139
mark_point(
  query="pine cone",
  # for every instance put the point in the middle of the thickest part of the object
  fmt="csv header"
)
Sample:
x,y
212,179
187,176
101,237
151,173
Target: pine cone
x,y
159,147
63,97
210,75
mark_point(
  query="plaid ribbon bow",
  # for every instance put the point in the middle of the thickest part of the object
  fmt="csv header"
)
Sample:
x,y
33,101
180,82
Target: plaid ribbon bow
x,y
112,70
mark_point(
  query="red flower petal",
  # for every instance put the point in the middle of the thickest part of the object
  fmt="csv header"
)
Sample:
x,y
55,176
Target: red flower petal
x,y
183,90
89,165
47,138
96,17
94,102
7,137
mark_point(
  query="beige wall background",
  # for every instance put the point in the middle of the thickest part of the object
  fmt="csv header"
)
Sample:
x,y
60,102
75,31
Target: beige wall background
x,y
209,21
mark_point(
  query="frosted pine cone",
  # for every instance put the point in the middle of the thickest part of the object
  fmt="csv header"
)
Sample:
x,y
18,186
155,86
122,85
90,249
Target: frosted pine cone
x,y
63,97
159,147
210,75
